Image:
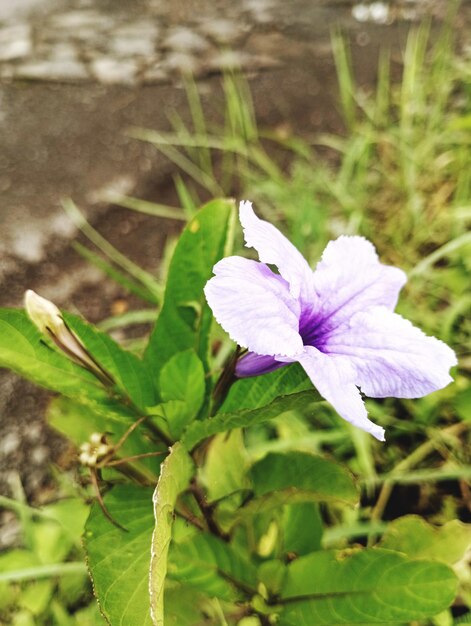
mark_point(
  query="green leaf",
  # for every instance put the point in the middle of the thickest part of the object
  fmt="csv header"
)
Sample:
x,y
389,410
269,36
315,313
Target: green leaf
x,y
182,379
184,606
119,561
8,596
302,475
77,421
49,542
290,479
23,350
272,574
176,473
418,539
71,514
258,391
17,560
212,566
301,528
23,618
223,422
368,586
36,596
128,371
185,319
224,471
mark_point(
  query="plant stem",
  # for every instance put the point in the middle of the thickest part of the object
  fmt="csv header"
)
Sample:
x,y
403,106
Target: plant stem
x,y
207,511
155,430
135,457
225,381
190,518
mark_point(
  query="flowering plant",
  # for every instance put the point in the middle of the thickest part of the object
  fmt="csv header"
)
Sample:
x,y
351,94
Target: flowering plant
x,y
209,518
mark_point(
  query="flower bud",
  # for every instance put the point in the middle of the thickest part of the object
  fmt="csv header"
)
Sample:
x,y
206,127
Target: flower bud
x,y
48,319
43,313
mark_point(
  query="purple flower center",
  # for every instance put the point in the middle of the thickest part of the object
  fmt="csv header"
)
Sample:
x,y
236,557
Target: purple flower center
x,y
313,328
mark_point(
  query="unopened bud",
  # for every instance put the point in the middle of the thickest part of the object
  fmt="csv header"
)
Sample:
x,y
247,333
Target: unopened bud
x,y
43,313
48,319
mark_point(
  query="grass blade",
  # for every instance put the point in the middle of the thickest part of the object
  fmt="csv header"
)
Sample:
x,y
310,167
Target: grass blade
x,y
150,208
111,252
108,269
44,571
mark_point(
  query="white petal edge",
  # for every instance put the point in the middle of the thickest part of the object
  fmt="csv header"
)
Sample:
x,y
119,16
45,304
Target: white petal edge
x,y
274,248
392,357
333,377
255,307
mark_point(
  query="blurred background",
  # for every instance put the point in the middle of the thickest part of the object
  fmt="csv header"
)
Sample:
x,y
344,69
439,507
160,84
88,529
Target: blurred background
x,y
334,115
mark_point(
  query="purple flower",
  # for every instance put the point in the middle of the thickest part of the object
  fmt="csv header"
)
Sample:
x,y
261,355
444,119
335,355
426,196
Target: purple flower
x,y
337,321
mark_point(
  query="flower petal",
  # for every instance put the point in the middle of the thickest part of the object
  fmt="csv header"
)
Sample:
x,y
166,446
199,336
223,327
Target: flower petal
x,y
391,356
350,278
334,378
254,306
275,249
252,364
